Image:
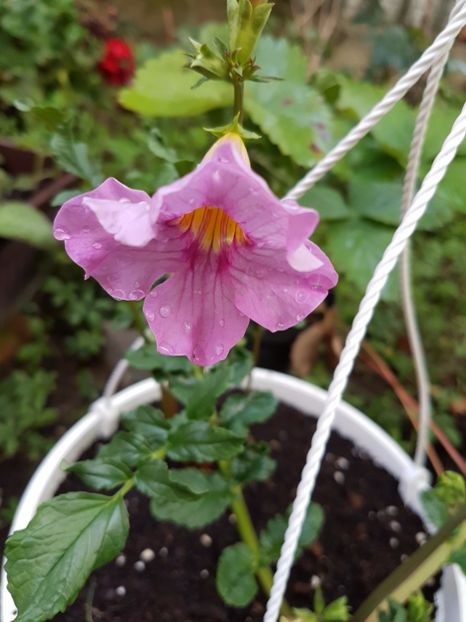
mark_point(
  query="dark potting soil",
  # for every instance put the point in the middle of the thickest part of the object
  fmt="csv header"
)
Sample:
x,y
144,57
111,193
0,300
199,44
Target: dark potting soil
x,y
367,530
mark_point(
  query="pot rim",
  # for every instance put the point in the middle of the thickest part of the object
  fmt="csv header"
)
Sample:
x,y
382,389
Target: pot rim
x,y
101,421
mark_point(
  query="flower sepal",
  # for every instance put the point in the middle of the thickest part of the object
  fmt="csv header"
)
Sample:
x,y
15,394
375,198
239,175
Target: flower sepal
x,y
208,62
234,127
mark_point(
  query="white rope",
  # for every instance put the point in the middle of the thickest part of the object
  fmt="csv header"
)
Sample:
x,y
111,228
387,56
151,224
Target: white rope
x,y
407,298
348,356
424,63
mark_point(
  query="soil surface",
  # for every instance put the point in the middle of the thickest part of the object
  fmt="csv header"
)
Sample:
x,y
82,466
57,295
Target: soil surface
x,y
367,530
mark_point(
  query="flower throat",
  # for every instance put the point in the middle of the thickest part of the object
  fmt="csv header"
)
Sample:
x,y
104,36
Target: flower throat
x,y
212,228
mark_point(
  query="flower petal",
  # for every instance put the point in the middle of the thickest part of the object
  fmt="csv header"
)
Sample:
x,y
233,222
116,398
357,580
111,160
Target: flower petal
x,y
94,240
191,313
272,293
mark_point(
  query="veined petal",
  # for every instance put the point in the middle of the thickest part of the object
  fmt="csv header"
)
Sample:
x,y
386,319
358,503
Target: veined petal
x,y
192,314
124,271
272,293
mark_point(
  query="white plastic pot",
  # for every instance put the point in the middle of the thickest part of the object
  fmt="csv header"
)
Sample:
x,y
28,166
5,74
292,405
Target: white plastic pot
x,y
102,420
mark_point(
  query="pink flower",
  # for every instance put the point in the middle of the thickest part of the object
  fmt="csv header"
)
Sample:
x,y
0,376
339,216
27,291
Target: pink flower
x,y
231,250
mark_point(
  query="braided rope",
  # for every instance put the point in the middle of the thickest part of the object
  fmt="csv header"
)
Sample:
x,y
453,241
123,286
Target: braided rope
x,y
407,298
348,356
427,59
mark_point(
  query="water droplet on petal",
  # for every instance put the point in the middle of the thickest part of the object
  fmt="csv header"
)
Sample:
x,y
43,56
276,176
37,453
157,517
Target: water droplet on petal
x,y
285,290
165,348
280,326
299,317
164,311
217,177
198,292
97,245
61,234
219,349
154,293
192,201
188,326
119,294
86,230
301,296
136,294
221,322
150,315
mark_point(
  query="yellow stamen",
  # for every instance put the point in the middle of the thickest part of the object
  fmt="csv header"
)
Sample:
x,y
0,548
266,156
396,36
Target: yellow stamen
x,y
212,228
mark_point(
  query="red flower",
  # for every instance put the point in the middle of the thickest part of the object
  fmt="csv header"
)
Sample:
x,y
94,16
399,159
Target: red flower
x,y
117,63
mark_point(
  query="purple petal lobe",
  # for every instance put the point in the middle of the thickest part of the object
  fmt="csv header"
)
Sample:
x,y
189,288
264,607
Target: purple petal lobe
x,y
272,293
192,314
126,272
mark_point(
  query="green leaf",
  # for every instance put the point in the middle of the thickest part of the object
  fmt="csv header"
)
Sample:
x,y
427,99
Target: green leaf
x,y
163,367
450,192
68,538
149,423
239,363
327,201
101,474
128,447
253,464
355,247
198,441
380,201
236,583
292,114
200,396
240,410
162,88
186,497
278,57
272,536
294,117
20,221
74,158
435,509
459,557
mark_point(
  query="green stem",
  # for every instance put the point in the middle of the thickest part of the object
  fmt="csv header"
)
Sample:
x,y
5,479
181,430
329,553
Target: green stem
x,y
138,322
125,488
238,105
424,563
248,535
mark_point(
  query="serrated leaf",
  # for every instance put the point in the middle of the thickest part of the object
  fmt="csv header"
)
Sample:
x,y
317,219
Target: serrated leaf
x,y
21,221
162,88
128,447
294,117
200,395
327,201
252,465
149,423
235,580
272,536
380,201
74,157
149,359
186,497
239,411
101,474
68,538
355,247
198,441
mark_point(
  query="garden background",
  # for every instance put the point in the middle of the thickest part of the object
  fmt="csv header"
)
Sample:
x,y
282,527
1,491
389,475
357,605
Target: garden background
x,y
96,89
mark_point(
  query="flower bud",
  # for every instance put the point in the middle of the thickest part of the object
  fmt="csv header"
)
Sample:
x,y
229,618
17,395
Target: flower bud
x,y
246,19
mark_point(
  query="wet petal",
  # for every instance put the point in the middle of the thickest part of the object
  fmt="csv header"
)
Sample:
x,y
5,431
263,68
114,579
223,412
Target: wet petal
x,y
272,293
192,314
124,271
